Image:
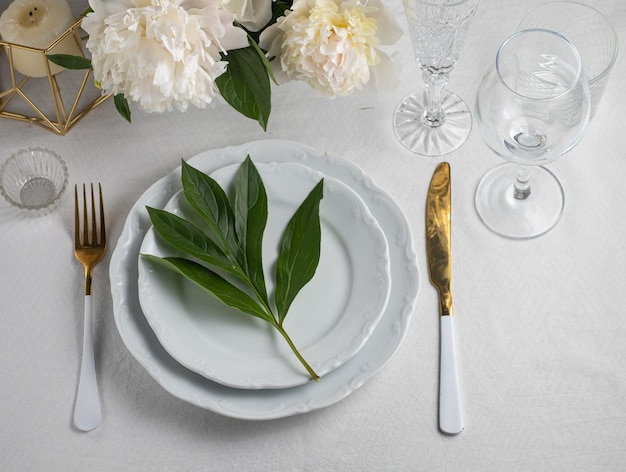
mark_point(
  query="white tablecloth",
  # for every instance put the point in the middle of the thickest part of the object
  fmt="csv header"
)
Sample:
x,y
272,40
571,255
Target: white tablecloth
x,y
541,324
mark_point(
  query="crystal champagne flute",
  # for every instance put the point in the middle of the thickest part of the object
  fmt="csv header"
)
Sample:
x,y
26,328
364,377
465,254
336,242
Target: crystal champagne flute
x,y
434,121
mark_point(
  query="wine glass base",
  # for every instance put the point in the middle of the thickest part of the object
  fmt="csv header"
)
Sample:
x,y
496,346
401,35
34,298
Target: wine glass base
x,y
421,137
516,218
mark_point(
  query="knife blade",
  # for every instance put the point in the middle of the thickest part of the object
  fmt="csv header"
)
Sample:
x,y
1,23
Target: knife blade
x,y
439,252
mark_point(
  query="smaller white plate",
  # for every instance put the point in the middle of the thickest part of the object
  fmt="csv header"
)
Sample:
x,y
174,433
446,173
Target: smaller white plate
x,y
330,319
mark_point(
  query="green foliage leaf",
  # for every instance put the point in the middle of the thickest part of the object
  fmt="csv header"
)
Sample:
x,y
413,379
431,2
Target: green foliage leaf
x,y
212,283
265,60
189,239
211,202
69,61
245,85
299,252
121,105
250,220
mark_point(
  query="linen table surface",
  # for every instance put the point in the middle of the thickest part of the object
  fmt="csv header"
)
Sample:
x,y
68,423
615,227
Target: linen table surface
x,y
540,324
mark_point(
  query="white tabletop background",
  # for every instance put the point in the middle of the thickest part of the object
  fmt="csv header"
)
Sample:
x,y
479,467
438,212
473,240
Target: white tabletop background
x,y
541,324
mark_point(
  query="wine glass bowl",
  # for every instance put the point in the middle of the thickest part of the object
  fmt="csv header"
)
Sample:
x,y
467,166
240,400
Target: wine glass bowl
x,y
434,121
532,106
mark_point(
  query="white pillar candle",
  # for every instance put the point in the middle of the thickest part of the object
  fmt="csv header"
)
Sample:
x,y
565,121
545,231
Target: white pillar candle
x,y
37,24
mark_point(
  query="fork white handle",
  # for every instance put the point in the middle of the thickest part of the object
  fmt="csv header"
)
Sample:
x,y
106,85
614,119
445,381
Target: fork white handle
x,y
450,408
87,414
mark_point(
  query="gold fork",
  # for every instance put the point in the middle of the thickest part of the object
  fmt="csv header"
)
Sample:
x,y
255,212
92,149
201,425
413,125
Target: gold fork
x,y
89,249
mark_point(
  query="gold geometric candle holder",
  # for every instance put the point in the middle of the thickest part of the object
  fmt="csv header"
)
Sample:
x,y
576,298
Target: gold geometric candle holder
x,y
57,98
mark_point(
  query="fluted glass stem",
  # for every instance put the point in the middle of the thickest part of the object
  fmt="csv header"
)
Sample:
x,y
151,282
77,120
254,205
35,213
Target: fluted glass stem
x,y
434,115
522,184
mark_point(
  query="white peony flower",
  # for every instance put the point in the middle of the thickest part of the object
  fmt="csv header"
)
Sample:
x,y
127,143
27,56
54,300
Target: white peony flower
x,y
253,14
160,53
333,45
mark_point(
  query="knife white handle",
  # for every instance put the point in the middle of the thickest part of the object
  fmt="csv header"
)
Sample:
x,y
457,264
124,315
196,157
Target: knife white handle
x,y
450,410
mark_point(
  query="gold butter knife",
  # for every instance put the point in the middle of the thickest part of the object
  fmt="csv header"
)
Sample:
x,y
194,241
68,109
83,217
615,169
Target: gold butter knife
x,y
439,251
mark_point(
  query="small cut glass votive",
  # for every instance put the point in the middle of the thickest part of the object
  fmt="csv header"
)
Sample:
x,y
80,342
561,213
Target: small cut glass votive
x,y
34,179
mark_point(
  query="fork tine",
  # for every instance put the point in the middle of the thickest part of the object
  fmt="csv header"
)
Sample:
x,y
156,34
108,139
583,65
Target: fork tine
x,y
85,218
76,217
103,235
94,229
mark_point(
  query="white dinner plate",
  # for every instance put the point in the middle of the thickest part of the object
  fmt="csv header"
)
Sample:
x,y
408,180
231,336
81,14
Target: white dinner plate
x,y
330,319
266,403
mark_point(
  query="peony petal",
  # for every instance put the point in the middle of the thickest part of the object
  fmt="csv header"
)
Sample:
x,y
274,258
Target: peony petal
x,y
234,37
107,8
389,31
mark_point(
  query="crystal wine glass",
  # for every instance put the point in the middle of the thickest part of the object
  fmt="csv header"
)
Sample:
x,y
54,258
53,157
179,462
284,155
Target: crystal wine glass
x,y
531,108
434,121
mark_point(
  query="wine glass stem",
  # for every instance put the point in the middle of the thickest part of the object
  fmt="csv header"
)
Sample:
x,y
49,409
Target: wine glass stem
x,y
521,189
434,115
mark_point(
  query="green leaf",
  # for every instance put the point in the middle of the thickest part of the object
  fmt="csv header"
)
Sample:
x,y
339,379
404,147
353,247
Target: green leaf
x,y
189,239
69,61
121,105
212,283
250,220
299,252
210,201
266,62
245,85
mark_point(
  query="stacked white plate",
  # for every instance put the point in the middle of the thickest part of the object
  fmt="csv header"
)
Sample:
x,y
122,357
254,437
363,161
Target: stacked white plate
x,y
347,322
